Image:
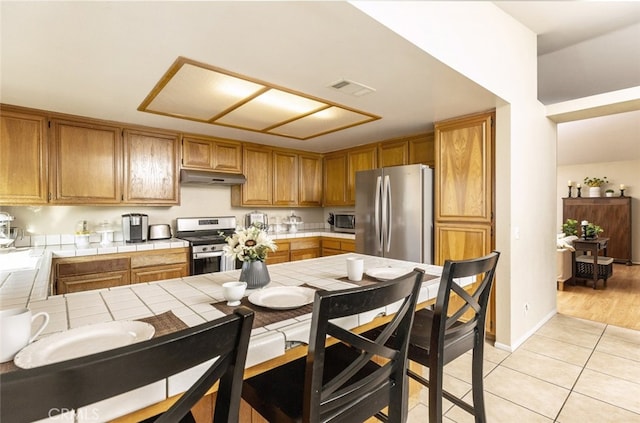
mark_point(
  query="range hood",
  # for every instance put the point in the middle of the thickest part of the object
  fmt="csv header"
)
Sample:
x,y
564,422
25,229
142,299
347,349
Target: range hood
x,y
203,177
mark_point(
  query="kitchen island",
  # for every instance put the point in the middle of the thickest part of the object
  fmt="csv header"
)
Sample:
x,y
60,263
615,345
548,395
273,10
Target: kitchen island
x,y
193,301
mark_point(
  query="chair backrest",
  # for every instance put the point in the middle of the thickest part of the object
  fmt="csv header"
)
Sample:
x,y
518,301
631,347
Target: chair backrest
x,y
344,393
31,394
457,326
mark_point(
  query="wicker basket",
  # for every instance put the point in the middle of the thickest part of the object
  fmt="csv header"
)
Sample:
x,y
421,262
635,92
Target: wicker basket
x,y
584,267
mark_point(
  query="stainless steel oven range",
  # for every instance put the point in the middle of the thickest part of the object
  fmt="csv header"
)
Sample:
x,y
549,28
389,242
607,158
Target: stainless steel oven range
x,y
206,242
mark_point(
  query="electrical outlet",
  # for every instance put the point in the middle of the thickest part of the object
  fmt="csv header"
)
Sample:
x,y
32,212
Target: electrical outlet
x,y
526,308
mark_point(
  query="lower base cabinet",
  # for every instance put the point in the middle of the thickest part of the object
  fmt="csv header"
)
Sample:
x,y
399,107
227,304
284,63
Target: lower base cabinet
x,y
158,266
158,273
294,249
281,255
305,248
334,246
76,274
82,274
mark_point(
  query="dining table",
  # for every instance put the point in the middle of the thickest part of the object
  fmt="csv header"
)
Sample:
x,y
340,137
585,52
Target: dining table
x,y
279,334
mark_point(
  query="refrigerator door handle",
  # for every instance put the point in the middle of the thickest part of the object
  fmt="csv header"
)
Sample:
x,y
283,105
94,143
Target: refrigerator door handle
x,y
387,212
377,207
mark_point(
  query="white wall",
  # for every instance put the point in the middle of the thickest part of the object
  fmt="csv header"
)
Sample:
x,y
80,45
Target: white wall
x,y
196,201
482,42
624,172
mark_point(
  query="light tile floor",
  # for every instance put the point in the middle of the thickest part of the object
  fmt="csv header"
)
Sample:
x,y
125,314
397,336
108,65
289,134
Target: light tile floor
x,y
570,371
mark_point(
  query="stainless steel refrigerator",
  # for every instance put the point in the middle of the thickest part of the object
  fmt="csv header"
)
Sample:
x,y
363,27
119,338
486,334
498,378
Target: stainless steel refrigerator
x,y
394,213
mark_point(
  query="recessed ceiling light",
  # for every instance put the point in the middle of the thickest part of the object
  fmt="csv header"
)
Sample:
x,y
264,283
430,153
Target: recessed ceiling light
x,y
204,93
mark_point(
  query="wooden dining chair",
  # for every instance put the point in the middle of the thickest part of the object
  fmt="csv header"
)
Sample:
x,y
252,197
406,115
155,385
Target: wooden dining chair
x,y
451,329
344,377
37,393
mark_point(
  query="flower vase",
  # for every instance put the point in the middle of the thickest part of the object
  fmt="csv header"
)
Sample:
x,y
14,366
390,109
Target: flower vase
x,y
255,274
594,191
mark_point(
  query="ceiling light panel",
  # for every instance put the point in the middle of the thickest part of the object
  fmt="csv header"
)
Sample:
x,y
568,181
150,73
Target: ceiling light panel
x,y
200,92
268,109
322,122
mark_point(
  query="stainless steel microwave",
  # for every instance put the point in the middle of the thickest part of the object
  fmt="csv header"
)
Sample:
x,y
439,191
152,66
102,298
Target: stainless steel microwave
x,y
344,222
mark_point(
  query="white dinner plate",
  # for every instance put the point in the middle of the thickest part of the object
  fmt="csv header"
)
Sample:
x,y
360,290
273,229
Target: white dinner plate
x,y
81,341
386,273
282,297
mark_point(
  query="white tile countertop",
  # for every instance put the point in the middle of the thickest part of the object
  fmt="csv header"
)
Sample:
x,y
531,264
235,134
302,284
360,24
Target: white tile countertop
x,y
25,272
190,299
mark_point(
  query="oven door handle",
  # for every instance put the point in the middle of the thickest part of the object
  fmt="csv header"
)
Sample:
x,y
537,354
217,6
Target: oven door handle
x,y
197,256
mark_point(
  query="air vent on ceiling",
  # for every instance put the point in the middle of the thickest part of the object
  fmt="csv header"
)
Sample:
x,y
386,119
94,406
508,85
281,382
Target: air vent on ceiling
x,y
352,88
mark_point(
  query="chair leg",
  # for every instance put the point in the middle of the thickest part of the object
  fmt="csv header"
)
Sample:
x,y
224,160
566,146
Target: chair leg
x,y
435,393
477,385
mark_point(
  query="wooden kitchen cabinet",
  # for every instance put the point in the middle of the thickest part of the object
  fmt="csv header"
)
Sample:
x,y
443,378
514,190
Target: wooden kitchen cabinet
x,y
334,246
305,248
363,158
77,274
285,178
464,194
310,180
340,173
422,149
335,179
160,265
85,163
206,153
393,153
23,158
279,178
151,168
257,166
281,255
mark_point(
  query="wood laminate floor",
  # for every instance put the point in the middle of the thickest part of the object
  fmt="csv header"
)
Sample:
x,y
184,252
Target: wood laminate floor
x,y
618,304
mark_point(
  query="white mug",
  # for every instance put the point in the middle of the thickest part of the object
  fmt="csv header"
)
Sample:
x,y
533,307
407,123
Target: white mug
x,y
15,331
355,268
233,292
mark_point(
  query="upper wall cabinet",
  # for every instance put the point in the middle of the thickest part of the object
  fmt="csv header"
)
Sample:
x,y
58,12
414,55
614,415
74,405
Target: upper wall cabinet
x,y
422,149
395,153
335,179
464,175
364,158
417,149
279,177
340,173
23,158
54,158
211,154
151,161
310,180
85,163
285,178
257,165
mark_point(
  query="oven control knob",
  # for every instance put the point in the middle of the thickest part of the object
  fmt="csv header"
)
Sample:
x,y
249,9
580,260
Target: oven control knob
x,y
205,248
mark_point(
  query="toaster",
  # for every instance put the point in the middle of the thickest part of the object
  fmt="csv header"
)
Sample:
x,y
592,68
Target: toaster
x,y
159,232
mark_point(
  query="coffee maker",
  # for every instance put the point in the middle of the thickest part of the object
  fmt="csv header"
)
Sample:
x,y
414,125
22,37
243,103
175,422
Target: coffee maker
x,y
135,227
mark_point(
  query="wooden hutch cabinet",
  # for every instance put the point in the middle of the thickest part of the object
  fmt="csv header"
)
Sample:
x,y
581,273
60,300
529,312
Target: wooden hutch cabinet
x,y
612,214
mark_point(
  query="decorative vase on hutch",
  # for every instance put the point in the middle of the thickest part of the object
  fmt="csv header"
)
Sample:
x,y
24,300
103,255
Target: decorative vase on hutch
x,y
255,274
594,191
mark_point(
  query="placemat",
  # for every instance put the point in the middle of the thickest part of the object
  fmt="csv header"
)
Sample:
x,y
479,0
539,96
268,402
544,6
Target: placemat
x,y
368,280
265,316
165,323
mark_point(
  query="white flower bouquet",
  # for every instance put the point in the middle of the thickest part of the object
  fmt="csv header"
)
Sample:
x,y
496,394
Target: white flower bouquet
x,y
249,244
